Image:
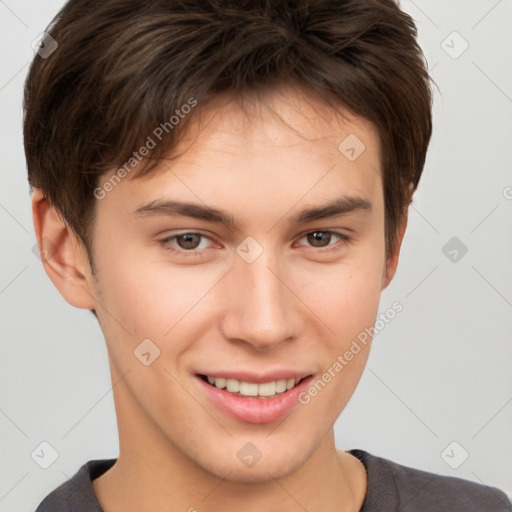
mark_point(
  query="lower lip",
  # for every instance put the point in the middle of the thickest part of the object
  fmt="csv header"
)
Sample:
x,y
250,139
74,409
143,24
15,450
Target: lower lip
x,y
255,410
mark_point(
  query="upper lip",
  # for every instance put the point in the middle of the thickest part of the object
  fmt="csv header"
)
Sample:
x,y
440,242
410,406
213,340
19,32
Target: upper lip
x,y
257,377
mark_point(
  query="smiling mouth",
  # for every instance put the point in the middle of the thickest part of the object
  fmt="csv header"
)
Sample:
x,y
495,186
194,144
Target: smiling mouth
x,y
253,389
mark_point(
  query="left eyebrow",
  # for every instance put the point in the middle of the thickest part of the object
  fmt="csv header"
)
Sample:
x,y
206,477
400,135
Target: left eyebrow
x,y
341,206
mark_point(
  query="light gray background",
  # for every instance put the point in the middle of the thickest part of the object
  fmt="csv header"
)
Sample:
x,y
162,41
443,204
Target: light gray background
x,y
438,373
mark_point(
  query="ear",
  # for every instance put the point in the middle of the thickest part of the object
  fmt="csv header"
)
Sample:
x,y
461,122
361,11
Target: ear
x,y
63,255
392,260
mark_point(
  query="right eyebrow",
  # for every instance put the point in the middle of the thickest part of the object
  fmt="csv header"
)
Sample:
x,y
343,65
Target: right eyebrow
x,y
197,211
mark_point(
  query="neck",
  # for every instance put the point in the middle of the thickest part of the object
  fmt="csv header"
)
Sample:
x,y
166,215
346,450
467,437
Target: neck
x,y
338,484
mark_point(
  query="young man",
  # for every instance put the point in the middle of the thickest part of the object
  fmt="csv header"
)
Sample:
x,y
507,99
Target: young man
x,y
225,185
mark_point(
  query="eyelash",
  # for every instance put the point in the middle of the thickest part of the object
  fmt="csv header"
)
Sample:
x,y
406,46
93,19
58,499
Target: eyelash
x,y
194,252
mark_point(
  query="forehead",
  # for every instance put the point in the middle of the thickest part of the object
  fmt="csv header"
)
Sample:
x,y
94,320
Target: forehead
x,y
264,156
283,120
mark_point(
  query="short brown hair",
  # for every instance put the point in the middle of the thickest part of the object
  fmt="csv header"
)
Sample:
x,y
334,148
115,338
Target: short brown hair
x,y
123,67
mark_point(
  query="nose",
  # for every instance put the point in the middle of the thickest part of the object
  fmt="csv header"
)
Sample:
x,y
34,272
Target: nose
x,y
263,309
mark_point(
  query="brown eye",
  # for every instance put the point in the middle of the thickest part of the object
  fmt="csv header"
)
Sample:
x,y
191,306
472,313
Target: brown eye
x,y
319,238
325,240
188,240
190,243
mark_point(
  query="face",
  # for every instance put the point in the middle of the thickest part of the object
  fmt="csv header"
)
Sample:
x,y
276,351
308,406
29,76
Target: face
x,y
226,262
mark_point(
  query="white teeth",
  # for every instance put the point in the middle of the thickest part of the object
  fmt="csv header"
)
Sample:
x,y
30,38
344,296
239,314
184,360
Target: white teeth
x,y
232,385
243,388
280,385
248,389
220,383
267,389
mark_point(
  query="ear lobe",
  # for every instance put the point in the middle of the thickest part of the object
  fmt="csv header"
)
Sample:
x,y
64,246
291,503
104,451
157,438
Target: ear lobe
x,y
392,260
63,256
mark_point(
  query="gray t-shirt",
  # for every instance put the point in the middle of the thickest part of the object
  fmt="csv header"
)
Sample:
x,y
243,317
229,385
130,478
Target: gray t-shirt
x,y
391,488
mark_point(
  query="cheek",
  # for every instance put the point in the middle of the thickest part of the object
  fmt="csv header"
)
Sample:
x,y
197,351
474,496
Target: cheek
x,y
348,306
147,298
346,296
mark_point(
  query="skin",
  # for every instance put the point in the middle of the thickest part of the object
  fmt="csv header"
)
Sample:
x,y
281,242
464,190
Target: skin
x,y
296,306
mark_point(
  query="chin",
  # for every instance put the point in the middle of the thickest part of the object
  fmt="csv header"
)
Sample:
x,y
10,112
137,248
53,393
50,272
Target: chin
x,y
269,466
